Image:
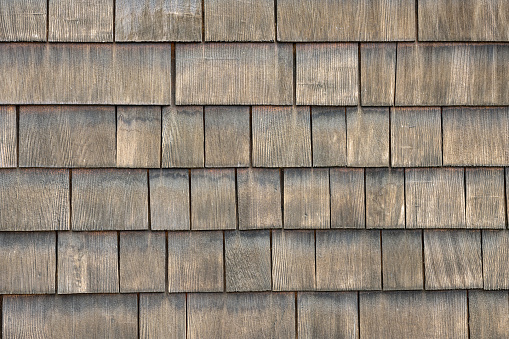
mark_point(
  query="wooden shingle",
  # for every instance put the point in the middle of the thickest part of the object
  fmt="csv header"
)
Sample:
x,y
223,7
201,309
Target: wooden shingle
x,y
488,314
23,20
385,198
378,74
495,257
485,199
328,130
347,198
162,315
8,136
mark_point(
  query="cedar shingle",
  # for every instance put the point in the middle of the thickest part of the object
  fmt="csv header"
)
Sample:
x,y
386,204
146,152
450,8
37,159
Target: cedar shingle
x,y
485,200
328,136
347,198
23,20
378,74
385,198
8,136
162,315
495,247
488,314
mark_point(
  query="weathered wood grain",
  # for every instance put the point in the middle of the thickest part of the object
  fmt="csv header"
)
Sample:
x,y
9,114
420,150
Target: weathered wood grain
x,y
281,136
402,315
247,261
28,262
476,136
306,198
293,260
430,74
402,260
67,136
385,198
485,200
81,21
327,315
138,136
463,20
329,136
142,261
259,198
23,20
367,137
213,201
110,199
348,260
452,259
435,198
183,136
8,136
227,136
70,316
488,314
169,200
87,262
241,315
378,74
234,74
34,200
344,20
327,74
195,262
156,20
495,253
162,315
124,74
416,137
231,20
347,198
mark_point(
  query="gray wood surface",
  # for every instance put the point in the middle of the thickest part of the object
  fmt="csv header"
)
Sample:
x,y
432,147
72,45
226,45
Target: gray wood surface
x,y
195,262
452,259
8,136
416,137
248,261
385,198
495,259
138,136
378,74
87,262
23,20
233,74
67,136
347,198
109,199
328,130
281,136
488,314
162,315
485,199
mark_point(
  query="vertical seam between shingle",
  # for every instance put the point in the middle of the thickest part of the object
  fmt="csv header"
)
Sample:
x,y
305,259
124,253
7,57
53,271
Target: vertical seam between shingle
x,y
236,199
395,75
47,20
442,134
173,75
423,261
148,201
294,74
113,28
416,20
311,134
275,21
296,317
468,313
505,197
381,263
17,108
224,261
138,304
166,254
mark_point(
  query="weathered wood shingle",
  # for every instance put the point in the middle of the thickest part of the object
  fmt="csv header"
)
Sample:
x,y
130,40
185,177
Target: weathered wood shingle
x,y
385,198
8,136
378,74
488,314
162,315
347,200
23,20
328,130
495,246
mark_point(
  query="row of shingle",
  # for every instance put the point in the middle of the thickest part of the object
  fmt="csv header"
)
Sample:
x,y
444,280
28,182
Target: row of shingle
x,y
232,20
256,74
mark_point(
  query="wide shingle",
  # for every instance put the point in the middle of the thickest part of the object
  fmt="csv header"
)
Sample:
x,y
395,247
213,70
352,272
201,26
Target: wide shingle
x,y
8,136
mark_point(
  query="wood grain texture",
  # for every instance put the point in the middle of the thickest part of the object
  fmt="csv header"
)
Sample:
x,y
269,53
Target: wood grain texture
x,y
234,74
416,137
195,262
347,198
378,74
435,198
8,136
138,136
28,262
142,261
34,200
495,247
247,261
183,136
67,136
241,315
348,260
169,200
401,315
327,315
213,201
452,259
385,198
231,20
344,20
23,20
293,260
158,20
70,316
328,129
109,74
327,74
430,74
402,260
476,136
367,137
111,199
162,316
485,199
81,21
488,314
306,198
227,136
281,136
259,198
463,20
87,262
